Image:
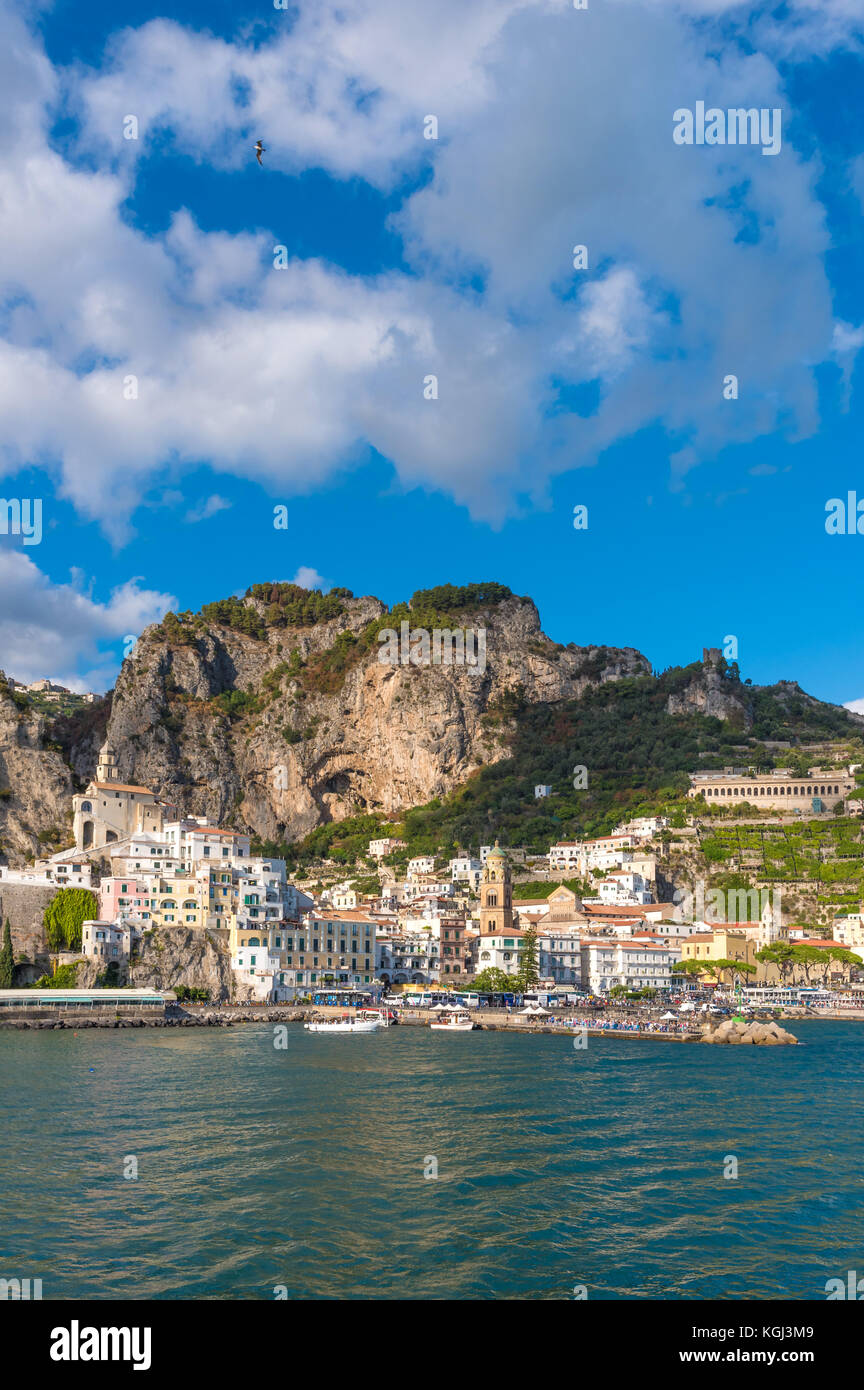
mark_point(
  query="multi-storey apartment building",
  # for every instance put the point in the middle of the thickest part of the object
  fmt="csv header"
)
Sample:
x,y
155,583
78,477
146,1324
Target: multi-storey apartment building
x,y
632,963
559,955
333,948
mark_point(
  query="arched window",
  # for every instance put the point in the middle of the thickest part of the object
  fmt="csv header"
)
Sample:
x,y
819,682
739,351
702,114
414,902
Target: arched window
x,y
491,899
253,941
88,834
86,806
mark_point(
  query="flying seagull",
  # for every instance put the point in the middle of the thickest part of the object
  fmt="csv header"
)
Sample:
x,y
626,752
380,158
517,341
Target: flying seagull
x,y
259,150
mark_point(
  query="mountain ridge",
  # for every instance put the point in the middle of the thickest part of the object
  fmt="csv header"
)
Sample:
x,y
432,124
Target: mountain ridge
x,y
274,712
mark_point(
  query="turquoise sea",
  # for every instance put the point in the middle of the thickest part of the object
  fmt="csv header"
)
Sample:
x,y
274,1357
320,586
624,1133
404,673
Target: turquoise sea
x,y
304,1167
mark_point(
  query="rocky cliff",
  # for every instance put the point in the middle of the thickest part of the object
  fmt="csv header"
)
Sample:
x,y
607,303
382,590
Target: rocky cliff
x,y
275,712
172,956
711,693
283,725
35,782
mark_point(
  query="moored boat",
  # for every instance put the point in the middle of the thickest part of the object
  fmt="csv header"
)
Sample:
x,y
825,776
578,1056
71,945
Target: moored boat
x,y
452,1019
368,1021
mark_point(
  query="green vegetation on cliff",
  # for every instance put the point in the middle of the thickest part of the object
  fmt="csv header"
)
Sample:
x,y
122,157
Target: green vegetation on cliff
x,y
636,758
64,916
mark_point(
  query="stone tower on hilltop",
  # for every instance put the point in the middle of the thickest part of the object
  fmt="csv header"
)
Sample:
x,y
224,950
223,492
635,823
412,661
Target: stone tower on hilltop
x,y
496,894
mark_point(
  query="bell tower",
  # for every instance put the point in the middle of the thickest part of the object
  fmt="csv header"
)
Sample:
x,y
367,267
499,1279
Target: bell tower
x,y
496,894
106,768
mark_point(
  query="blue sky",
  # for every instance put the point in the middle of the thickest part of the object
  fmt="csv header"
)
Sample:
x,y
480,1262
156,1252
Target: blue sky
x,y
256,386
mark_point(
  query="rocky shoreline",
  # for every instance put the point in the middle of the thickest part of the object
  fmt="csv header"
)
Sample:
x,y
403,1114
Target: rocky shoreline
x,y
736,1031
209,1018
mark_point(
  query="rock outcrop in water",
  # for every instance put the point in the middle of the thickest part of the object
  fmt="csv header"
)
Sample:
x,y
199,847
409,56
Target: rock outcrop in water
x,y
737,1031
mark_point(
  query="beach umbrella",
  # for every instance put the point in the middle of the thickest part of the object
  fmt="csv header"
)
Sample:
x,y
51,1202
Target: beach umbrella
x,y
667,1015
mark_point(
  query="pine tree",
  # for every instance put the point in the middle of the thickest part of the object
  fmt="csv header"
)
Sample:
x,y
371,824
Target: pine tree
x,y
7,959
529,975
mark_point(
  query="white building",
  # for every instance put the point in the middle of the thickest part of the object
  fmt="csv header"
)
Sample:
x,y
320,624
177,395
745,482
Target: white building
x,y
430,889
343,899
644,827
847,930
498,951
408,958
626,888
464,869
181,847
193,840
631,963
46,874
262,892
559,955
421,864
259,974
541,790
565,855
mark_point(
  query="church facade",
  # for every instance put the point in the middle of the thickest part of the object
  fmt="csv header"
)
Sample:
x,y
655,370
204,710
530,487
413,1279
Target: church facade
x,y
109,811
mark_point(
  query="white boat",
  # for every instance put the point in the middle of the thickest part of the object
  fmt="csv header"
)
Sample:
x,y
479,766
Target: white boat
x,y
368,1021
452,1019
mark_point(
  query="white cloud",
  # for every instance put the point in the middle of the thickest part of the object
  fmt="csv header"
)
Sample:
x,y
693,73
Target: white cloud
x,y
309,578
551,133
58,630
856,706
207,507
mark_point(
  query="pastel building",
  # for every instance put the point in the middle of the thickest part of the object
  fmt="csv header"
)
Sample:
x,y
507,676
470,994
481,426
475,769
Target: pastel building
x,y
336,948
107,942
379,849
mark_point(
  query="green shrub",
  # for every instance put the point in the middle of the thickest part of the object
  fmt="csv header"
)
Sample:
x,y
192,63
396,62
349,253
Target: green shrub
x,y
64,977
